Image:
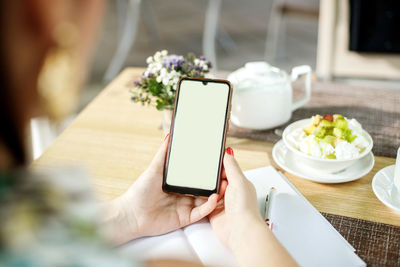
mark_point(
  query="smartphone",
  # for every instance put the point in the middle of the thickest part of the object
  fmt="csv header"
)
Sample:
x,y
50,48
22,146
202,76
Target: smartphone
x,y
198,130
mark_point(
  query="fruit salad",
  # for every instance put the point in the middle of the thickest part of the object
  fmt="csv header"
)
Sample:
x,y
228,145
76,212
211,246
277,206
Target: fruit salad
x,y
330,137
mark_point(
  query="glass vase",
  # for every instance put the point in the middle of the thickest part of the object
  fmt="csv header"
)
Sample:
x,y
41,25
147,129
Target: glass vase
x,y
166,120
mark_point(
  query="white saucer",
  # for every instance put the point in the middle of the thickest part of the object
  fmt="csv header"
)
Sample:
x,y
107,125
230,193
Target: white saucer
x,y
384,189
287,161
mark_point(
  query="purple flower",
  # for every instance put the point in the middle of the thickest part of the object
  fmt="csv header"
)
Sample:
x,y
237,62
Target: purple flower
x,y
172,62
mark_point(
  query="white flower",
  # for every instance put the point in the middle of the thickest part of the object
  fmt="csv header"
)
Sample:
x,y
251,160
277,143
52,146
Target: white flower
x,y
156,67
202,64
165,81
149,60
174,73
164,53
158,79
157,56
169,91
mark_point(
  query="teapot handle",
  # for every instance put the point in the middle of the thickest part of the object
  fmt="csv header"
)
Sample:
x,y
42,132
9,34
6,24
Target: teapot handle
x,y
296,72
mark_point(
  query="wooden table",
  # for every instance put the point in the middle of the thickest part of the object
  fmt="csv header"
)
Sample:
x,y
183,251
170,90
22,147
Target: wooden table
x,y
115,140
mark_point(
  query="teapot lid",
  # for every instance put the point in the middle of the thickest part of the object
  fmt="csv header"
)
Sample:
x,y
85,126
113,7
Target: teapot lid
x,y
256,75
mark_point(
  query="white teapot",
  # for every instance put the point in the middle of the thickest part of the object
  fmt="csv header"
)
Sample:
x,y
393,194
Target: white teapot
x,y
262,97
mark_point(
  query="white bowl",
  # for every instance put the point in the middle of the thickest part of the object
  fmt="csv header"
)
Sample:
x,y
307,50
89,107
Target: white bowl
x,y
321,164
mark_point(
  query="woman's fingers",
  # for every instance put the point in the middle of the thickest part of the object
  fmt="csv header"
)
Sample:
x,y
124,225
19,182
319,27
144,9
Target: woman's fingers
x,y
223,173
159,159
222,189
204,209
233,172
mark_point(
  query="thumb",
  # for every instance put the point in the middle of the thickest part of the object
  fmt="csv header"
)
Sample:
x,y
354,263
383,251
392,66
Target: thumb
x,y
158,161
233,172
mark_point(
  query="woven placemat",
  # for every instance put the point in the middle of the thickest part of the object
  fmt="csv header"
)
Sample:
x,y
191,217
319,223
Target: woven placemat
x,y
377,244
378,110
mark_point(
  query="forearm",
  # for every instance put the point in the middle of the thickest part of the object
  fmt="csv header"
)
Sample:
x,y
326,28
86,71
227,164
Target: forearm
x,y
257,246
120,227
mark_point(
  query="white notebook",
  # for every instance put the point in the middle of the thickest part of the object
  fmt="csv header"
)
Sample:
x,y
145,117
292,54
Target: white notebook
x,y
302,230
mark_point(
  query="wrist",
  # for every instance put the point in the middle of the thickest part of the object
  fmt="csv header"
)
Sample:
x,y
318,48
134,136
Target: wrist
x,y
120,221
248,226
267,252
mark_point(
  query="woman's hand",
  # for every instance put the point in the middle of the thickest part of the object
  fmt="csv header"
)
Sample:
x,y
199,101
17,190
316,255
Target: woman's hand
x,y
232,216
145,210
238,223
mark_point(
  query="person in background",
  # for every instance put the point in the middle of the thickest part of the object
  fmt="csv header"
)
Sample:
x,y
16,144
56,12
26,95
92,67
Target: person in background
x,y
49,219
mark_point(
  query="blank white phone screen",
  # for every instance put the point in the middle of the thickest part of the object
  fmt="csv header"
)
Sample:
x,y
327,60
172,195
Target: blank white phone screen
x,y
198,134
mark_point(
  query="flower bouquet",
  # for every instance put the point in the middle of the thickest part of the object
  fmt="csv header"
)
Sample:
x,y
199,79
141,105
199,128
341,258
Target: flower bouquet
x,y
157,85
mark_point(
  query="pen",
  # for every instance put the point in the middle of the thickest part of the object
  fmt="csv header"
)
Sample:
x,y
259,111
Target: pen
x,y
268,200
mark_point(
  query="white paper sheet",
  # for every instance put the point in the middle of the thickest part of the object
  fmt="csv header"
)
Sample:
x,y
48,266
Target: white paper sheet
x,y
299,227
173,245
209,249
317,212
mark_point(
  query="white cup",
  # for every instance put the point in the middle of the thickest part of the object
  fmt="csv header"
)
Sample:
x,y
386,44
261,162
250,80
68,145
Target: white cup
x,y
396,179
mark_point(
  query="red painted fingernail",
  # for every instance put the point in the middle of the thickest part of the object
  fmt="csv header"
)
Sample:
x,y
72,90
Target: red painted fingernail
x,y
165,138
229,150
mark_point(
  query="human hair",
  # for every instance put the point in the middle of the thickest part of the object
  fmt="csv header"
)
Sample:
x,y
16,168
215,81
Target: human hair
x,y
10,134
